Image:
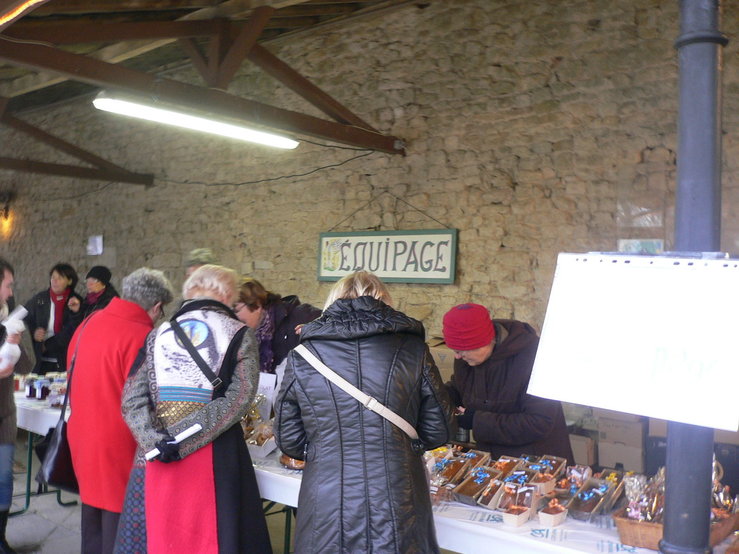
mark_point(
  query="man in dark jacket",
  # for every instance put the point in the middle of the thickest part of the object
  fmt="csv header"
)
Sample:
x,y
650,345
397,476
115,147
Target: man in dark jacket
x,y
492,368
7,402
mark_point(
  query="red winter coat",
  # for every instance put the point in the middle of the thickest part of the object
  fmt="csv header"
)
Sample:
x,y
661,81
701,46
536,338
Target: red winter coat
x,y
102,446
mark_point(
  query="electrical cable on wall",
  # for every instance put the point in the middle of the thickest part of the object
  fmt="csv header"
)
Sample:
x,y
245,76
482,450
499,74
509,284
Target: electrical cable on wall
x,y
269,179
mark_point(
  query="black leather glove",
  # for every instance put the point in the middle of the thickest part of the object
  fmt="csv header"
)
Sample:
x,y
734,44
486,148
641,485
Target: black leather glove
x,y
168,450
465,420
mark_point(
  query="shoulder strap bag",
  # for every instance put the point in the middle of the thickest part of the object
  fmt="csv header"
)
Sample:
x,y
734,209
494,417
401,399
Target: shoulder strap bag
x,y
365,399
187,343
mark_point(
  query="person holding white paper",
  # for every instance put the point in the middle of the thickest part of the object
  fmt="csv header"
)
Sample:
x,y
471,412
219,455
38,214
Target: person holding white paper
x,y
200,368
494,358
7,402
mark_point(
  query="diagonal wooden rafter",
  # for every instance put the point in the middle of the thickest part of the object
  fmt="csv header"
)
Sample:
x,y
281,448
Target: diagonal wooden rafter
x,y
209,67
123,51
102,74
240,47
10,10
103,170
302,86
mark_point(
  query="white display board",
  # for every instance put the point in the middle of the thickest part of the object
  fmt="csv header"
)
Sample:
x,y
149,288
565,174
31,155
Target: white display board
x,y
648,335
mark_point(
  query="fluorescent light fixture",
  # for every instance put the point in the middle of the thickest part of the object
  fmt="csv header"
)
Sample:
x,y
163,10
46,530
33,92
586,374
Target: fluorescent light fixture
x,y
170,116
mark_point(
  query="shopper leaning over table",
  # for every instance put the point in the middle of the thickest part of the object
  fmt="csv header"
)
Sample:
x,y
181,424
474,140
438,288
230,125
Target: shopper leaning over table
x,y
102,447
364,487
493,364
274,319
7,403
200,495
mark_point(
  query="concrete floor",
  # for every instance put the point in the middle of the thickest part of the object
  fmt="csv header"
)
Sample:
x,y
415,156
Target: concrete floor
x,y
50,528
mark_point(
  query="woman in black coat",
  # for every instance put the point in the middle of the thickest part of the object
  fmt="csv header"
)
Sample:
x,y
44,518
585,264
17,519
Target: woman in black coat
x,y
364,487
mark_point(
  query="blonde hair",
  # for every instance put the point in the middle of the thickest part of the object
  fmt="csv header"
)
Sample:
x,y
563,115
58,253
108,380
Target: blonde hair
x,y
211,280
361,283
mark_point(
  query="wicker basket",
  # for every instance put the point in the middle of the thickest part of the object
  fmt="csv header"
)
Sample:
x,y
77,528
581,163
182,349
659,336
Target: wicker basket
x,y
647,535
642,534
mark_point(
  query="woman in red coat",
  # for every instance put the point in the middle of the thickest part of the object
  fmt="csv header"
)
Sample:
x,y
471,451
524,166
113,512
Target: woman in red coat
x,y
102,447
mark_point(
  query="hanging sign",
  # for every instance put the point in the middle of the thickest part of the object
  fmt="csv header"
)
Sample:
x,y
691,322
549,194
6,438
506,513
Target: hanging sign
x,y
421,256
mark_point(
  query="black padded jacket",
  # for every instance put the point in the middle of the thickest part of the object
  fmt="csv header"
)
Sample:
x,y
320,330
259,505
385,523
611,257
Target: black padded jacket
x,y
364,486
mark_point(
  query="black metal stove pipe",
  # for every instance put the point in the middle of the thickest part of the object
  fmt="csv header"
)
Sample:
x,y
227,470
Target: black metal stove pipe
x,y
697,229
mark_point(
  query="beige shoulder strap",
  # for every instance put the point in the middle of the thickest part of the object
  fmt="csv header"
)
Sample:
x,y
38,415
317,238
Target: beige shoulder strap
x,y
366,400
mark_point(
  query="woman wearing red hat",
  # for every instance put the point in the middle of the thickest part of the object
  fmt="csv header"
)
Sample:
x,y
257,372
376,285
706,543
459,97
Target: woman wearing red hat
x,y
493,365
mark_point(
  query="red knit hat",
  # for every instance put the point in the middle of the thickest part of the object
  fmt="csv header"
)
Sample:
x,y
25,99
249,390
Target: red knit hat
x,y
467,327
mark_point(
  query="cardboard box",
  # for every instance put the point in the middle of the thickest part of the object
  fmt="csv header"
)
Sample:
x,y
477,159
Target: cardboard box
x,y
610,414
630,433
443,356
658,428
617,455
583,449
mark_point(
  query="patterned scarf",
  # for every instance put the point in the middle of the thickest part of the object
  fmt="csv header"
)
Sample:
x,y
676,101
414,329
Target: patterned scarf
x,y
265,332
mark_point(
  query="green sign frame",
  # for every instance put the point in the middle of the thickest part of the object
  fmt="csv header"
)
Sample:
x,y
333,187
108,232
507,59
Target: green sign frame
x,y
417,256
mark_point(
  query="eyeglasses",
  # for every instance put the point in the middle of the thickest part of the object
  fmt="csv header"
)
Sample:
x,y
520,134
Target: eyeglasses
x,y
238,306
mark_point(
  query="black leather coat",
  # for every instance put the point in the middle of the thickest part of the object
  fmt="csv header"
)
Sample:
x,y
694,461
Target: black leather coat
x,y
364,487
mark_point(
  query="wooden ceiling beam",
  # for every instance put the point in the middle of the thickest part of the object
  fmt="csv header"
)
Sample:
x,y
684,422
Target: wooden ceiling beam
x,y
241,46
74,171
120,52
98,73
11,10
70,33
96,6
109,169
199,61
58,143
278,69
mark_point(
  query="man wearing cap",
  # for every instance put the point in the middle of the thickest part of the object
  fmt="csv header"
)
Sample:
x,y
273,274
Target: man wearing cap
x,y
198,258
492,367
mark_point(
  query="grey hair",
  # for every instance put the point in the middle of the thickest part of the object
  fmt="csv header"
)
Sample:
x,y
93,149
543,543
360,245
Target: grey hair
x,y
146,287
361,283
209,280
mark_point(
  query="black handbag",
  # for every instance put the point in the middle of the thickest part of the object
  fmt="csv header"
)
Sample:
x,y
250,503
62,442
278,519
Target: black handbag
x,y
53,450
56,460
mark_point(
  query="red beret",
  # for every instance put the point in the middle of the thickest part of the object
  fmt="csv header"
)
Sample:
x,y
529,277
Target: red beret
x,y
467,327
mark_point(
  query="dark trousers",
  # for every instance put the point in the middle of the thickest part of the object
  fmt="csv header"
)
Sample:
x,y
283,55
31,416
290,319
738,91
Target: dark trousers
x,y
99,528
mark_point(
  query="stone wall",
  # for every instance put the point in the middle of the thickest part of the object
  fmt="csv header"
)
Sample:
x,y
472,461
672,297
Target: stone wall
x,y
532,127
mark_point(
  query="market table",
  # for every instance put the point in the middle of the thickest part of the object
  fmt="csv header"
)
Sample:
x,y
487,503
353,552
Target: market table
x,y
36,417
464,529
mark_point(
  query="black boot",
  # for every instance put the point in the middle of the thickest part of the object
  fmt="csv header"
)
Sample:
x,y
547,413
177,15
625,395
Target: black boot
x,y
4,546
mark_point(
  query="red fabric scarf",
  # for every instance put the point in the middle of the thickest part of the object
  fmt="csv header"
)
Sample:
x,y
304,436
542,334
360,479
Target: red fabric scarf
x,y
59,301
93,297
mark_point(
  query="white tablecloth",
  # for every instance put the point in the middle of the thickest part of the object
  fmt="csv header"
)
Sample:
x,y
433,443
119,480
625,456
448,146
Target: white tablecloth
x,y
462,528
35,415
